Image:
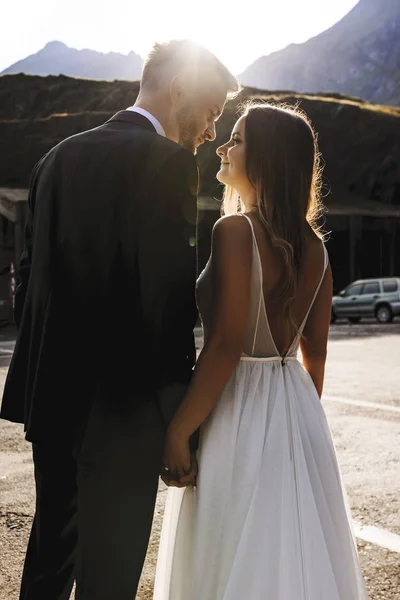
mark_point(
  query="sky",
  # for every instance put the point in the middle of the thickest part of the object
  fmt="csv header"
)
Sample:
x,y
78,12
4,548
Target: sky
x,y
237,31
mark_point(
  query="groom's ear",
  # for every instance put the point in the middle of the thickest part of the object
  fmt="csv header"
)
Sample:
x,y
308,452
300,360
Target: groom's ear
x,y
183,88
177,91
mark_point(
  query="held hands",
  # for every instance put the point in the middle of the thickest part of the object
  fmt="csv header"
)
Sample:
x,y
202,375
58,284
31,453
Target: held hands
x,y
179,465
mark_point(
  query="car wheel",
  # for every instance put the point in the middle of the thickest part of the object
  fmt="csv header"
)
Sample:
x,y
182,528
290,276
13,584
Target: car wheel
x,y
384,314
333,317
354,320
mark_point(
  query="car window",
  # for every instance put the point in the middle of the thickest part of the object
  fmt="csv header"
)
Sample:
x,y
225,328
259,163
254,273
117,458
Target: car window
x,y
354,290
390,286
372,288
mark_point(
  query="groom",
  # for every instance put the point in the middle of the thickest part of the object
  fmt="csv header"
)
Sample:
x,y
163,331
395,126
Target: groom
x,y
106,311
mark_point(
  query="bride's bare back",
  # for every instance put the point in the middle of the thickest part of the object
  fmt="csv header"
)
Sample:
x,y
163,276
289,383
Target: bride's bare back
x,y
312,268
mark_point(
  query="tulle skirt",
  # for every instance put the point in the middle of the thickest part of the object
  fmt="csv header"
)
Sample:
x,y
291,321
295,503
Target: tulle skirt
x,y
269,518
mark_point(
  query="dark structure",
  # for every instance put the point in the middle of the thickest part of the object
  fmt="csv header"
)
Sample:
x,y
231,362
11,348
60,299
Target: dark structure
x,y
362,241
13,213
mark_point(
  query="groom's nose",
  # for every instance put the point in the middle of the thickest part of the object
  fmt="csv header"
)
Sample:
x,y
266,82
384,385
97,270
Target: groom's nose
x,y
211,133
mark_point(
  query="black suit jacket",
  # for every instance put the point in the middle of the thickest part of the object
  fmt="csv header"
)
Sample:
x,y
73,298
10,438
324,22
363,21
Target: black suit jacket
x,y
107,294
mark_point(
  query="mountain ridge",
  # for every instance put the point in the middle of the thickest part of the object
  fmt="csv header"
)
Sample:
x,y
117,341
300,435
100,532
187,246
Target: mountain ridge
x,y
56,58
358,56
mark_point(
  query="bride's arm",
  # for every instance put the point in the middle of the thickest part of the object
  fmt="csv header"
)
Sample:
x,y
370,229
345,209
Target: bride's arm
x,y
231,266
314,343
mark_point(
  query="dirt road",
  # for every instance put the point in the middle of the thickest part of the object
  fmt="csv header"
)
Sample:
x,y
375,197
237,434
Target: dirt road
x,y
362,402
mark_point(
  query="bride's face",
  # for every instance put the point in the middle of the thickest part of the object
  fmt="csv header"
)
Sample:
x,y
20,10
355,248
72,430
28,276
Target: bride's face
x,y
233,158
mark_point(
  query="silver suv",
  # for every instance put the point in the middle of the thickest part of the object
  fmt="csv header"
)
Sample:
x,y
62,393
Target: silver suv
x,y
379,298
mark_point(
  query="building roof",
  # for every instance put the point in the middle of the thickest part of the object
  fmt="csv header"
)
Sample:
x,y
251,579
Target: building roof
x,y
350,206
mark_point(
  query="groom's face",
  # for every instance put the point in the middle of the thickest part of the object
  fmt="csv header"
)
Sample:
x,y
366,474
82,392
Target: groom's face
x,y
198,114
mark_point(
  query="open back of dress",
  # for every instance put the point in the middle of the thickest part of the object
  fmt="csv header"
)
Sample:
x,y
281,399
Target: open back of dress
x,y
259,341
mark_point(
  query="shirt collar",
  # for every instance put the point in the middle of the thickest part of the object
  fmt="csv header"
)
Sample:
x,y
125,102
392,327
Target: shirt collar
x,y
155,122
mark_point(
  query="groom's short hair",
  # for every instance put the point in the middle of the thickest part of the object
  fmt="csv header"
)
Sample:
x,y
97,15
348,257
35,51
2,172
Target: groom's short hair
x,y
170,58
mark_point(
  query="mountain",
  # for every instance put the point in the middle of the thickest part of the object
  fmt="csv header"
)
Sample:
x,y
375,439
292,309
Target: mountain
x,y
58,59
359,56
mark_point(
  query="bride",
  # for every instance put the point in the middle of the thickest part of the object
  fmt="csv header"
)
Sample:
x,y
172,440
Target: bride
x,y
268,519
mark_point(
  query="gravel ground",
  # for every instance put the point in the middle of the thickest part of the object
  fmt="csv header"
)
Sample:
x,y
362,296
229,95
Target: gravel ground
x,y
362,364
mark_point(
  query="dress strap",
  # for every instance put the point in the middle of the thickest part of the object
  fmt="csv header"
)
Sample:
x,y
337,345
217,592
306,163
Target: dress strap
x,y
251,225
261,296
303,323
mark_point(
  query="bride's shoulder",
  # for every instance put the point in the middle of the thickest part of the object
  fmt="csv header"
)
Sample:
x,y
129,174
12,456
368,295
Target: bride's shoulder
x,y
232,226
231,236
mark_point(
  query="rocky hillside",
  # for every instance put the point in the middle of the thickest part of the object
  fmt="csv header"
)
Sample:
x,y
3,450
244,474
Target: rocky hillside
x,y
28,97
360,142
56,58
358,56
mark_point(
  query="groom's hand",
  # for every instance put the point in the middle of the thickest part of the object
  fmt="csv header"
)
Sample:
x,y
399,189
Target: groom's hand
x,y
190,478
169,480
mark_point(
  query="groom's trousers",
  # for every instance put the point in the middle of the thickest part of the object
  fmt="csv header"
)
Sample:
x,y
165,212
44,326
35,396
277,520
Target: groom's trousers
x,y
94,510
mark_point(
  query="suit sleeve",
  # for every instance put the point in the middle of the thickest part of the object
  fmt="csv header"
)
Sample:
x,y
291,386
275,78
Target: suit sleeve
x,y
25,264
167,267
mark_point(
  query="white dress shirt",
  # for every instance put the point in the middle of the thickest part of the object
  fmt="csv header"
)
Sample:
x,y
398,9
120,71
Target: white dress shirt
x,y
145,113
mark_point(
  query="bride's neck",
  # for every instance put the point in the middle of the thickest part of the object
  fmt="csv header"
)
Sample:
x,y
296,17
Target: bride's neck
x,y
249,201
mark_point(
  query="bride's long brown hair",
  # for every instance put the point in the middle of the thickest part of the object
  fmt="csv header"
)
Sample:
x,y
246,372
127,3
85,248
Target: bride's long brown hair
x,y
283,165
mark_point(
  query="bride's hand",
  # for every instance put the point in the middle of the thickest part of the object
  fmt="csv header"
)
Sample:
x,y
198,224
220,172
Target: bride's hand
x,y
177,455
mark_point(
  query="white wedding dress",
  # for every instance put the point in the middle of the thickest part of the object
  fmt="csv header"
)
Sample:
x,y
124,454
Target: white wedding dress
x,y
268,519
